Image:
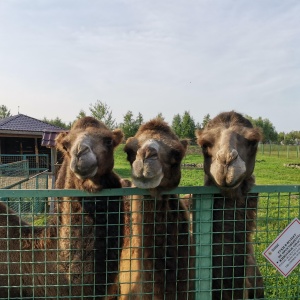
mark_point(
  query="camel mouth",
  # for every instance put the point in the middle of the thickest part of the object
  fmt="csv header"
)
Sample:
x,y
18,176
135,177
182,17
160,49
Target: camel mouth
x,y
226,183
147,183
227,187
228,176
86,175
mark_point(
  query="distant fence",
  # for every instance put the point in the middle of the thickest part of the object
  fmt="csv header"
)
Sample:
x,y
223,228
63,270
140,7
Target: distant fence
x,y
16,176
278,207
288,151
13,173
37,163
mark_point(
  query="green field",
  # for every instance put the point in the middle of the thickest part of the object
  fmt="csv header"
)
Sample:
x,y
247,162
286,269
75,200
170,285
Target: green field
x,y
269,169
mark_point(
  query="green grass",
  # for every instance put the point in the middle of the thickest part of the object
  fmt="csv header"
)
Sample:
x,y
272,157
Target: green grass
x,y
275,212
269,169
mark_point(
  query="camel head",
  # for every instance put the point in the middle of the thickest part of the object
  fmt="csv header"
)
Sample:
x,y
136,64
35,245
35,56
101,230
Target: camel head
x,y
155,154
229,145
89,147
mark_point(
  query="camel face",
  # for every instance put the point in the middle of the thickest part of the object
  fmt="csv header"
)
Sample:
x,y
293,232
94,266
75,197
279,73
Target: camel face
x,y
89,148
84,154
155,155
229,144
147,169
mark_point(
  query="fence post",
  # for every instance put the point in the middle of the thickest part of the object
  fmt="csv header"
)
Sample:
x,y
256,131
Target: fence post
x,y
202,233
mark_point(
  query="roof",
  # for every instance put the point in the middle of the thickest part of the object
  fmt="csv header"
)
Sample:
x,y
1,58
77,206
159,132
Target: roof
x,y
48,139
25,123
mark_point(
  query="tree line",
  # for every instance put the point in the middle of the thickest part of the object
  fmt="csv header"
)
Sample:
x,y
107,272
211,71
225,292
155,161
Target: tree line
x,y
184,125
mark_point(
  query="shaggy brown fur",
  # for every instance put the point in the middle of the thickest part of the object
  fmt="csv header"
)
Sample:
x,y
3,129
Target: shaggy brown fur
x,y
155,259
229,144
77,253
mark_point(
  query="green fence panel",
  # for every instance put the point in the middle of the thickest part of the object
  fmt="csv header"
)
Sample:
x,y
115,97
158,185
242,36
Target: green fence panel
x,y
12,174
278,206
20,179
36,162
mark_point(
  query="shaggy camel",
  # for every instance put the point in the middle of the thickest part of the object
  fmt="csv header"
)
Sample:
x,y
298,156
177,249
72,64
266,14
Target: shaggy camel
x,y
229,145
155,258
77,254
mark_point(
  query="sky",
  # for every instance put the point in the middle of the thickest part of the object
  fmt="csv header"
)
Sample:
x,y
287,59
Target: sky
x,y
58,57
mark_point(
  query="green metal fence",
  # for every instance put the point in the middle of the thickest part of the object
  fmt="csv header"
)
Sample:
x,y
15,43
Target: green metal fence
x,y
13,173
288,151
37,163
278,206
16,175
26,207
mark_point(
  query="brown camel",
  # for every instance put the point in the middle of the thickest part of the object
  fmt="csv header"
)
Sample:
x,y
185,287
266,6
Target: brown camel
x,y
77,254
155,257
229,145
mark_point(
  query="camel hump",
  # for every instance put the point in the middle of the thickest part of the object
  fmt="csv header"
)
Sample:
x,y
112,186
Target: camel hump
x,y
86,122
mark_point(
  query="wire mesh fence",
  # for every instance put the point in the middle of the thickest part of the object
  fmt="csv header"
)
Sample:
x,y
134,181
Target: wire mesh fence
x,y
13,173
16,176
288,151
126,244
37,163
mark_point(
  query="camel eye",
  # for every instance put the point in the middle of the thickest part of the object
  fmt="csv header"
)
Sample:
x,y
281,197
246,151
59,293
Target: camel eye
x,y
65,146
252,143
205,148
131,155
176,156
108,141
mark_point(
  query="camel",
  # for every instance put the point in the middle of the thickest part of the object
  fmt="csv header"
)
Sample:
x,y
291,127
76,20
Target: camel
x,y
229,145
76,255
155,258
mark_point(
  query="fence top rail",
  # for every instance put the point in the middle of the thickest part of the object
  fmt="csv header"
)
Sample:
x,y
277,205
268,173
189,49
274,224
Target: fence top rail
x,y
196,190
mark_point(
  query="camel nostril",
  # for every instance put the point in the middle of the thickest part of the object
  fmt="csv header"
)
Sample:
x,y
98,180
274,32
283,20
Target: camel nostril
x,y
82,151
226,158
151,153
231,156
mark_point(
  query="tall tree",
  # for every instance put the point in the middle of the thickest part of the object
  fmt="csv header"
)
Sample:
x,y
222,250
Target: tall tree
x,y
131,125
103,113
4,112
57,122
268,129
81,114
184,126
176,125
206,119
188,126
292,138
139,119
160,116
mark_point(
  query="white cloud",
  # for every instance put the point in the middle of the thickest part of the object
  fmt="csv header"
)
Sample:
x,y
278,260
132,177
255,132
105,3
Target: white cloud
x,y
151,57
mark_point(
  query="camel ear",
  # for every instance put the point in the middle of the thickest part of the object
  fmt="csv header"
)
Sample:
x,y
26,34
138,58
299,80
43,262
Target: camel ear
x,y
117,136
198,134
131,148
255,134
59,141
131,143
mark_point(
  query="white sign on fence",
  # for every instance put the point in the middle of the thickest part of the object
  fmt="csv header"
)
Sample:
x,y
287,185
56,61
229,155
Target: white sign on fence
x,y
284,251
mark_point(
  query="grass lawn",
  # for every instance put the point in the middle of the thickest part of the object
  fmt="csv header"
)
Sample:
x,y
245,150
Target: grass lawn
x,y
269,169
